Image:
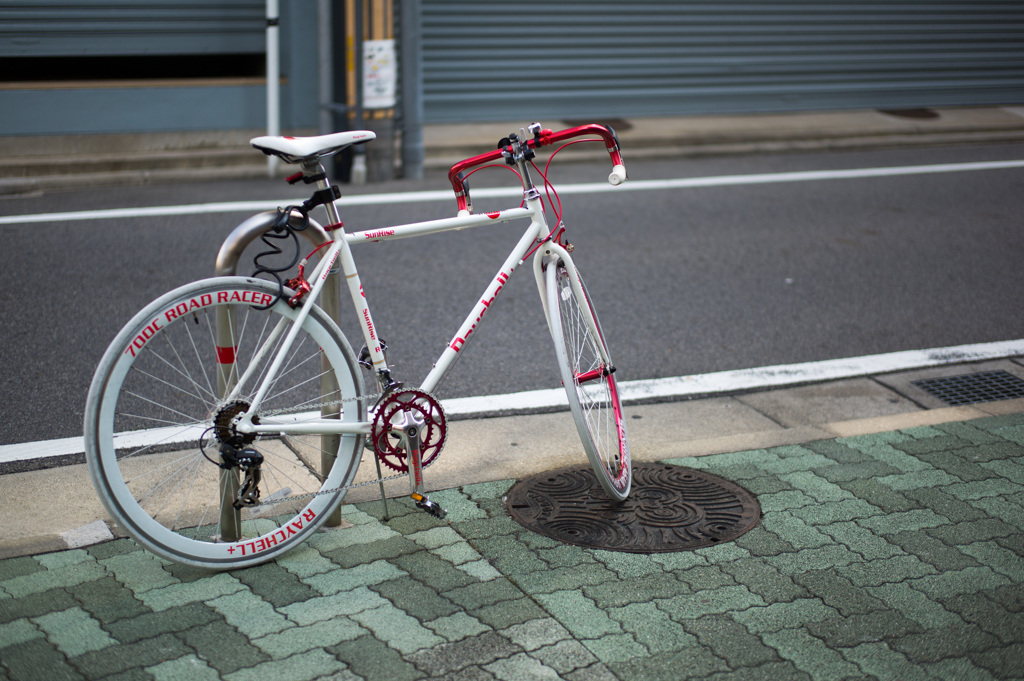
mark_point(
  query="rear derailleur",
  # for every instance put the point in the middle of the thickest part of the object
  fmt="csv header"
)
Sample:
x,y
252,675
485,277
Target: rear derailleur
x,y
236,452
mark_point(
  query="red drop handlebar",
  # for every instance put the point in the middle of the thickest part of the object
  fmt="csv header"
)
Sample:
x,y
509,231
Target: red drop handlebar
x,y
542,138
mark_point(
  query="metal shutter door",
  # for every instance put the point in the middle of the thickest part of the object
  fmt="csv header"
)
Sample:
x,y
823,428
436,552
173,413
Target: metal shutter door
x,y
614,59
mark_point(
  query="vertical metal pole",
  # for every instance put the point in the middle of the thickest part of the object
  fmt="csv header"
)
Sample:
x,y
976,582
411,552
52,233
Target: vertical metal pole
x,y
273,79
412,91
330,302
325,61
227,377
358,152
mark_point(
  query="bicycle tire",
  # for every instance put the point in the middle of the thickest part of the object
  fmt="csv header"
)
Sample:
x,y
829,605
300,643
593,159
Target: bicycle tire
x,y
594,401
149,445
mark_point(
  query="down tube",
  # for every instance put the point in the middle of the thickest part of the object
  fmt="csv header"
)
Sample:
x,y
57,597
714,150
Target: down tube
x,y
455,347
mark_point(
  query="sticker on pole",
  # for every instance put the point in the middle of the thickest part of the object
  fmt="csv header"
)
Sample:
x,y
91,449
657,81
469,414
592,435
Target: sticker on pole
x,y
379,74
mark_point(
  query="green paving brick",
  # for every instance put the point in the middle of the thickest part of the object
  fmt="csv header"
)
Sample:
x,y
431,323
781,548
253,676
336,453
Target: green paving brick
x,y
415,598
862,540
816,486
1002,662
935,645
1011,469
903,482
305,561
915,605
488,490
996,557
107,599
845,632
150,624
813,559
222,646
627,565
681,560
429,569
187,668
43,580
509,555
961,469
778,616
878,495
336,581
937,442
457,626
564,555
879,660
549,581
372,659
839,452
489,527
479,594
313,664
615,648
274,584
717,601
480,569
18,631
507,613
704,577
459,506
973,531
139,571
333,540
521,666
321,634
989,615
764,580
795,531
325,607
809,654
784,501
398,629
954,583
652,627
885,571
362,554
565,656
698,663
436,537
146,653
250,614
536,633
977,489
892,523
723,553
731,641
902,461
838,592
442,661
968,432
760,542
945,504
182,594
18,567
1003,508
755,457
74,632
457,554
955,670
38,660
616,593
579,614
871,468
37,604
836,511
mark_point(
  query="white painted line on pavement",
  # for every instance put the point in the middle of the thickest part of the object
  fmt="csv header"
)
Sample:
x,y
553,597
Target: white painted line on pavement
x,y
721,382
582,188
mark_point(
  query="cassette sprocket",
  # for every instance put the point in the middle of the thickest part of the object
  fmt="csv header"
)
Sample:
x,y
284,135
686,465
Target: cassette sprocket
x,y
391,413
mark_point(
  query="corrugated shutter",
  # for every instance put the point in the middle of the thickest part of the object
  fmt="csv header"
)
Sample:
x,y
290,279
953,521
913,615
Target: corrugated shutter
x,y
591,58
56,28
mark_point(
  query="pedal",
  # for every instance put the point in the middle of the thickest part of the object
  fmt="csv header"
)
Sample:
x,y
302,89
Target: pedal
x,y
431,507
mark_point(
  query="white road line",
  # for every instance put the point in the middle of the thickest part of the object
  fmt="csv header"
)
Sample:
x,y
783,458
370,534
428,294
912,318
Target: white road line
x,y
718,383
583,188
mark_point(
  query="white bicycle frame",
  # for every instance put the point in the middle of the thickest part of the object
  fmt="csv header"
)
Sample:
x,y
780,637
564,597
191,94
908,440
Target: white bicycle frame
x,y
536,235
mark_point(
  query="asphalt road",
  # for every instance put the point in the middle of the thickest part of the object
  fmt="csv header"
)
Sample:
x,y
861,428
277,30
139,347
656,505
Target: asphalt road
x,y
686,281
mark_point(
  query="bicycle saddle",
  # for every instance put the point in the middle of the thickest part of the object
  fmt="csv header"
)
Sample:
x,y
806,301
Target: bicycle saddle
x,y
298,149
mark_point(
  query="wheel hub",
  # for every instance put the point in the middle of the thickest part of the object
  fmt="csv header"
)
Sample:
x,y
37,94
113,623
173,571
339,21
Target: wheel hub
x,y
225,425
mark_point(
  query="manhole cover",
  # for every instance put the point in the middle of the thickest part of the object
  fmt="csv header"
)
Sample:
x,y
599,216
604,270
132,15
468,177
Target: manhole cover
x,y
987,386
670,508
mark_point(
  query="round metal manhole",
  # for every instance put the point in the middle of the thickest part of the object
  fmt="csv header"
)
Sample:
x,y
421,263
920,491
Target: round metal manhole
x,y
670,508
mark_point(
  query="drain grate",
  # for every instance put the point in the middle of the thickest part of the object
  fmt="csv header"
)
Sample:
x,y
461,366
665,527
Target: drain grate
x,y
669,509
987,386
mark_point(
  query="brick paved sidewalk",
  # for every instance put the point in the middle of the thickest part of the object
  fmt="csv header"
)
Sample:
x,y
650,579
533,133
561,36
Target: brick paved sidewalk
x,y
890,556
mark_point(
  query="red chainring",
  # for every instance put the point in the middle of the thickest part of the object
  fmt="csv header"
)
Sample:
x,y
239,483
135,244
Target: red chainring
x,y
391,411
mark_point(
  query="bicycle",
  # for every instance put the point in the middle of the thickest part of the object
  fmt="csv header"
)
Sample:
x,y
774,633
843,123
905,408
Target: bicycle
x,y
226,420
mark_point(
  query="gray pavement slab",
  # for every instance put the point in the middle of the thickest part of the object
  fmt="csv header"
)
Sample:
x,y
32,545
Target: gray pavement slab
x,y
889,547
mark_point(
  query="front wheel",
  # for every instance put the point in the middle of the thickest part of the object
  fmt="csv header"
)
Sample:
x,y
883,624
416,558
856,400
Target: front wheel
x,y
164,403
589,380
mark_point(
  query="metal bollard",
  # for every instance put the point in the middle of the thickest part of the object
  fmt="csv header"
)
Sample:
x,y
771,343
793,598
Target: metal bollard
x,y
227,375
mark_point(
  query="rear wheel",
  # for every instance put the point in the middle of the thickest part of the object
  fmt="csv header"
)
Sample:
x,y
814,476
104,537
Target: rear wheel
x,y
589,379
157,417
